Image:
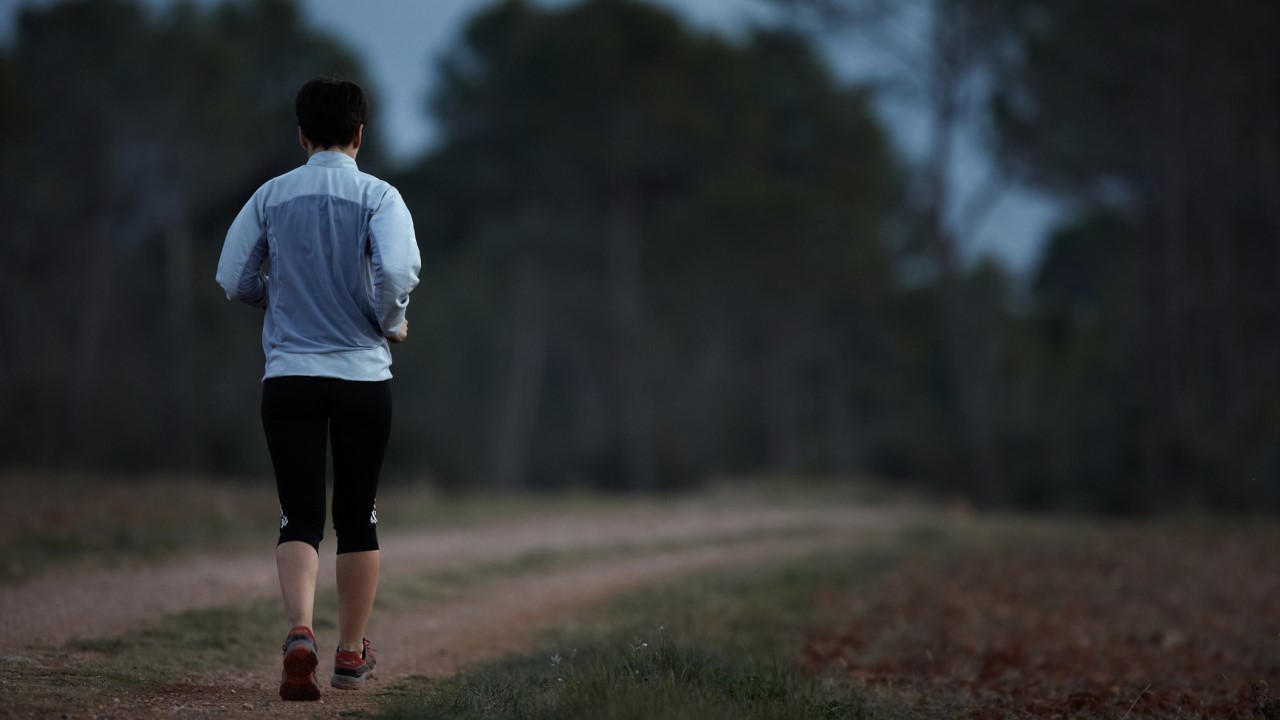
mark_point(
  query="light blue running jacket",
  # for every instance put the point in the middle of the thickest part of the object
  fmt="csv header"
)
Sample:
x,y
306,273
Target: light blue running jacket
x,y
343,259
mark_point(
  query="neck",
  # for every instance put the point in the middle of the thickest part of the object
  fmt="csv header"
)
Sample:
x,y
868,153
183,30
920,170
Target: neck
x,y
349,150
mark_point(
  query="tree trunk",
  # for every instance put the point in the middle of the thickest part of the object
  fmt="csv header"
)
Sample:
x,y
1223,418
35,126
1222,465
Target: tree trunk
x,y
589,430
627,308
782,400
181,441
1228,346
704,404
969,392
842,441
1266,159
522,387
1168,350
90,334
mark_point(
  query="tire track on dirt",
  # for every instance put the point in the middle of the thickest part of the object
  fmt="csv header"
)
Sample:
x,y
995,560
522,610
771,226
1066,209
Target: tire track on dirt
x,y
495,618
50,610
596,554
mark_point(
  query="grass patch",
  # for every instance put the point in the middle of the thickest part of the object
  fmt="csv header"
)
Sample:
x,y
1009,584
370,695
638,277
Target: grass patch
x,y
718,646
222,637
998,619
50,523
99,672
34,686
38,552
615,679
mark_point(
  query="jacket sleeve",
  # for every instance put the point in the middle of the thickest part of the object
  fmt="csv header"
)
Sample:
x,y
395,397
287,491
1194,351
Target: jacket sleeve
x,y
240,267
396,260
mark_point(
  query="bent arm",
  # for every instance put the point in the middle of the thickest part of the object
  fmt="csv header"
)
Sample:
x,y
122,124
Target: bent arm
x,y
396,261
240,267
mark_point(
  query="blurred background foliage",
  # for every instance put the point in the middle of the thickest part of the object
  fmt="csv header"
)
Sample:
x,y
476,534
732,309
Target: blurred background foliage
x,y
654,255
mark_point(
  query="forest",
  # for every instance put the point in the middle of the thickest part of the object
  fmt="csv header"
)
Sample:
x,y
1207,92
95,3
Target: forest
x,y
655,256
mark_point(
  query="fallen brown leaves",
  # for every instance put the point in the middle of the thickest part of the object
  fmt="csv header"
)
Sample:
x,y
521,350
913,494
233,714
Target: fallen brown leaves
x,y
1119,622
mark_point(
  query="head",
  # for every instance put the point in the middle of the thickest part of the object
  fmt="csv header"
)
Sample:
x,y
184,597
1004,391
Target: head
x,y
331,114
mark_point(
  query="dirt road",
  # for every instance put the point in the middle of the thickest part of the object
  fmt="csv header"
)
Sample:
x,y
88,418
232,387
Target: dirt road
x,y
609,551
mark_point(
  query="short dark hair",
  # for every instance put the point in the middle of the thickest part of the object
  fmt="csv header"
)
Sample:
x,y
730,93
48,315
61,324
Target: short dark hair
x,y
330,110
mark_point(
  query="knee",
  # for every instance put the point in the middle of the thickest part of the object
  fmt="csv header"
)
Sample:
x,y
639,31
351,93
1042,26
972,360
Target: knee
x,y
302,527
357,530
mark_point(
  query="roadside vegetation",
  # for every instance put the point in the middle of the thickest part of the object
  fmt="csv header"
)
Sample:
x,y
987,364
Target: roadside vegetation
x,y
54,522
716,647
998,619
50,523
949,615
175,655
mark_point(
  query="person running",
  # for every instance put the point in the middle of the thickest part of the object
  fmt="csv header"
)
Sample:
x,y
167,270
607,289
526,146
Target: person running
x,y
342,261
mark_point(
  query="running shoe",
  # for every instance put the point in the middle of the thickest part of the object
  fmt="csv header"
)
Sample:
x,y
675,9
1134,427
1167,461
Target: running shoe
x,y
351,668
298,682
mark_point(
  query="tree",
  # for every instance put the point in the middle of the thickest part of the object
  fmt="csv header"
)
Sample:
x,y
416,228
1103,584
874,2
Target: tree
x,y
936,53
1165,117
678,248
127,170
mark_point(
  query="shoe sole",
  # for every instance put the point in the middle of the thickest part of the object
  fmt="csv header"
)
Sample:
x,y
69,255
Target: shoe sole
x,y
299,680
347,682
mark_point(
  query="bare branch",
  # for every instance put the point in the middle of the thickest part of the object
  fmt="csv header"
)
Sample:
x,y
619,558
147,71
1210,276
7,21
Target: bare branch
x,y
982,202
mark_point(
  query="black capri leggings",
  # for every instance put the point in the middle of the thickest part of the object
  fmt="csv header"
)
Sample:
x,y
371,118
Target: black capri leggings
x,y
299,415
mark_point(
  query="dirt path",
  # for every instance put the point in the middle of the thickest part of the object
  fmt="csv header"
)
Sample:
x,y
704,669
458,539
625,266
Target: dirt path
x,y
650,544
55,608
438,641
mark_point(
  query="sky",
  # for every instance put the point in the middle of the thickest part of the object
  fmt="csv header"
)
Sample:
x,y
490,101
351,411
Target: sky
x,y
400,41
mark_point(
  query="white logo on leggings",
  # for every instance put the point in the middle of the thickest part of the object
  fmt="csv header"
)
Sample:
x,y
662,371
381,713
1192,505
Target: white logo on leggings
x,y
373,516
284,519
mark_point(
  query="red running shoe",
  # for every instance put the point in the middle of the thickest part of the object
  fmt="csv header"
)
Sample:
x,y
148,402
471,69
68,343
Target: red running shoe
x,y
351,668
298,682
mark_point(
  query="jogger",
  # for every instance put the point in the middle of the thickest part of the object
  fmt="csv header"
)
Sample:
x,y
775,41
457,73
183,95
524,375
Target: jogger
x,y
343,260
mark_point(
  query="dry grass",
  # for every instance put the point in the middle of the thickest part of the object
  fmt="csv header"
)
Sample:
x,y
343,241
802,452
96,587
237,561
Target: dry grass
x,y
83,522
54,522
1136,621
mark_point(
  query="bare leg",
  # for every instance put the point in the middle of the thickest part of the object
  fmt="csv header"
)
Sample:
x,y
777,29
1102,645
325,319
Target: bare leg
x,y
357,585
298,564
